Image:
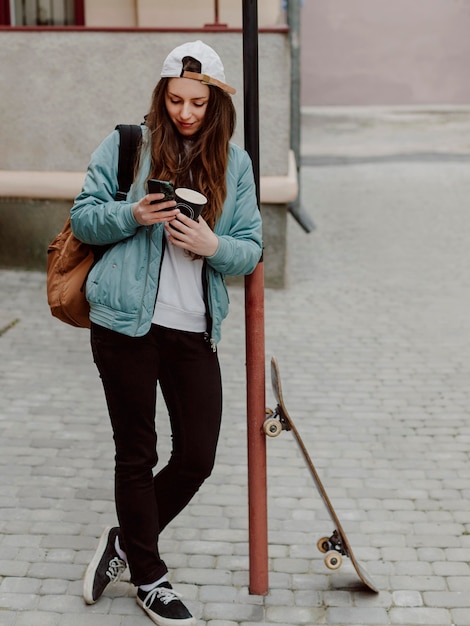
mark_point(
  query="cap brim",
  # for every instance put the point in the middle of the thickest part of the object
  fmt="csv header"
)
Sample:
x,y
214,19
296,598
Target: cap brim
x,y
205,78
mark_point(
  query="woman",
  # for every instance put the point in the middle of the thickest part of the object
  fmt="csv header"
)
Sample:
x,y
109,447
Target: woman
x,y
157,300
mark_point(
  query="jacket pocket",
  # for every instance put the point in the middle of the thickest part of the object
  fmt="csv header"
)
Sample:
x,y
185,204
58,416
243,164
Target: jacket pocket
x,y
117,281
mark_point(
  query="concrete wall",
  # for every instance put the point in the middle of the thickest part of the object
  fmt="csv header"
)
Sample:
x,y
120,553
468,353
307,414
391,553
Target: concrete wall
x,y
367,52
63,92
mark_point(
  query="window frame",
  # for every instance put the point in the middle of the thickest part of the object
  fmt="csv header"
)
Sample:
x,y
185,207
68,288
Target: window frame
x,y
5,16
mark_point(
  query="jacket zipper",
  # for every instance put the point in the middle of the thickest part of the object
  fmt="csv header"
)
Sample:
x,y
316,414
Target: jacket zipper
x,y
149,241
160,269
205,290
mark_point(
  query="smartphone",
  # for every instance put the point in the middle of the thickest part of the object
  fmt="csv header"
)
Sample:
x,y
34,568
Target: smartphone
x,y
161,186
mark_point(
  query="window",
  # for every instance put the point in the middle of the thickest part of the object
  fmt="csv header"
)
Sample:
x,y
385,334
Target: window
x,y
42,12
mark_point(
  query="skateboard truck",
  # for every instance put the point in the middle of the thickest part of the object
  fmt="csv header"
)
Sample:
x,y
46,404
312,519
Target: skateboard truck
x,y
275,422
334,548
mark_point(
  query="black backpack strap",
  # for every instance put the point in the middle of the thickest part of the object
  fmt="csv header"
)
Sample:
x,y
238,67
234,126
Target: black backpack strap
x,y
131,137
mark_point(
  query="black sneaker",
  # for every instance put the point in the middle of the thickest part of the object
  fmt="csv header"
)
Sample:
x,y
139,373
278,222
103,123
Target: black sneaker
x,y
105,567
163,605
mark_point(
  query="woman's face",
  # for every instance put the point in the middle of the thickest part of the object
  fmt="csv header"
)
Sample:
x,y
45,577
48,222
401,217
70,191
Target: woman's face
x,y
186,102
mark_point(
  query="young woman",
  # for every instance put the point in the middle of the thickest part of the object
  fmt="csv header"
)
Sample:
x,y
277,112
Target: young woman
x,y
157,300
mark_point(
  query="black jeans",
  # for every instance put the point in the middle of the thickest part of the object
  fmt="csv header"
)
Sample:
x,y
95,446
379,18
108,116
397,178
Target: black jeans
x,y
189,375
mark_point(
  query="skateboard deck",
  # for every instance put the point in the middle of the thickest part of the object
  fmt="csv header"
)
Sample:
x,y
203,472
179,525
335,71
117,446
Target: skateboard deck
x,y
337,544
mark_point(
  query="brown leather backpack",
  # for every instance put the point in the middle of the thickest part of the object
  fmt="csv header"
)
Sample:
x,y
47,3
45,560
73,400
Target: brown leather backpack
x,y
69,260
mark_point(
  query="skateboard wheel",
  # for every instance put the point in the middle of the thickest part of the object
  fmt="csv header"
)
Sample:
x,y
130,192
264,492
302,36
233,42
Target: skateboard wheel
x,y
323,544
272,427
333,560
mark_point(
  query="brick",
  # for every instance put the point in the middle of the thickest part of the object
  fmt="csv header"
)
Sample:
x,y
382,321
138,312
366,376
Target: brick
x,y
407,598
447,599
354,615
419,616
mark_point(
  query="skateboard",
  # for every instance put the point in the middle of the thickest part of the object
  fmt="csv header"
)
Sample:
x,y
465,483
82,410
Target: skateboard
x,y
337,544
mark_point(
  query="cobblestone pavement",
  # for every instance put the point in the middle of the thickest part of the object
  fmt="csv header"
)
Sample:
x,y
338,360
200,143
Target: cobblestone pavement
x,y
372,335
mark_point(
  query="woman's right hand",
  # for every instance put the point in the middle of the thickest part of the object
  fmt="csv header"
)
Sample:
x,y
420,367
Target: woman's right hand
x,y
147,214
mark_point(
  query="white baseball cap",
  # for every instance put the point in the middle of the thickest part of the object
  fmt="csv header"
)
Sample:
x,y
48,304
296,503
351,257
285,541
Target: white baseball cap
x,y
212,69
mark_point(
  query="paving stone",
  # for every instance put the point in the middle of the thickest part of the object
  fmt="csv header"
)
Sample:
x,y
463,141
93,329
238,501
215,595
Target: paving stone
x,y
354,615
293,615
90,619
460,617
18,601
418,568
20,585
36,618
417,616
458,583
229,611
8,618
214,593
446,599
407,598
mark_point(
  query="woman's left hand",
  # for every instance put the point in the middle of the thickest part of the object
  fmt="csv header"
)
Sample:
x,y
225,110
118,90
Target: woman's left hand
x,y
196,237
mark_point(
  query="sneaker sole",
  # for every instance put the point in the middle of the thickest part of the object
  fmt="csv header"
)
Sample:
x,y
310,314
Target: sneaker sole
x,y
163,621
90,571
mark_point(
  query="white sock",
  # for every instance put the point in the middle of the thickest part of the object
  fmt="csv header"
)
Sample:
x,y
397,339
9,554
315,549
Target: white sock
x,y
161,580
118,549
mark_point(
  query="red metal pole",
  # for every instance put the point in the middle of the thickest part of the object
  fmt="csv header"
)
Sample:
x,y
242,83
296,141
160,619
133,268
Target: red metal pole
x,y
254,314
256,409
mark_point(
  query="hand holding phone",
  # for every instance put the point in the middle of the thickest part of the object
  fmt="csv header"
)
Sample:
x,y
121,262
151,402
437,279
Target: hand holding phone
x,y
161,186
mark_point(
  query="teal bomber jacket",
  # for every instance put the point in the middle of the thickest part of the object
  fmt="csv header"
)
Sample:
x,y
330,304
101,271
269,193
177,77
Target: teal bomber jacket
x,y
122,286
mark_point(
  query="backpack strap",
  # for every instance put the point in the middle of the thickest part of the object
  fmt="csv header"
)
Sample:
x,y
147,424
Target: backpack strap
x,y
131,137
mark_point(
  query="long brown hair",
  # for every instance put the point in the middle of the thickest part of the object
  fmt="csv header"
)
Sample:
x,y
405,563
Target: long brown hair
x,y
207,158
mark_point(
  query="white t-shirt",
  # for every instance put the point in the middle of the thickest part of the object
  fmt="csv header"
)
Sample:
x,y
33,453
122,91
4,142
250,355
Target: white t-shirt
x,y
180,299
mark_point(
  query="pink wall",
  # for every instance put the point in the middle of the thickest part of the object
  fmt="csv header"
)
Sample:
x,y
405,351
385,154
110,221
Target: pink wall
x,y
366,52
